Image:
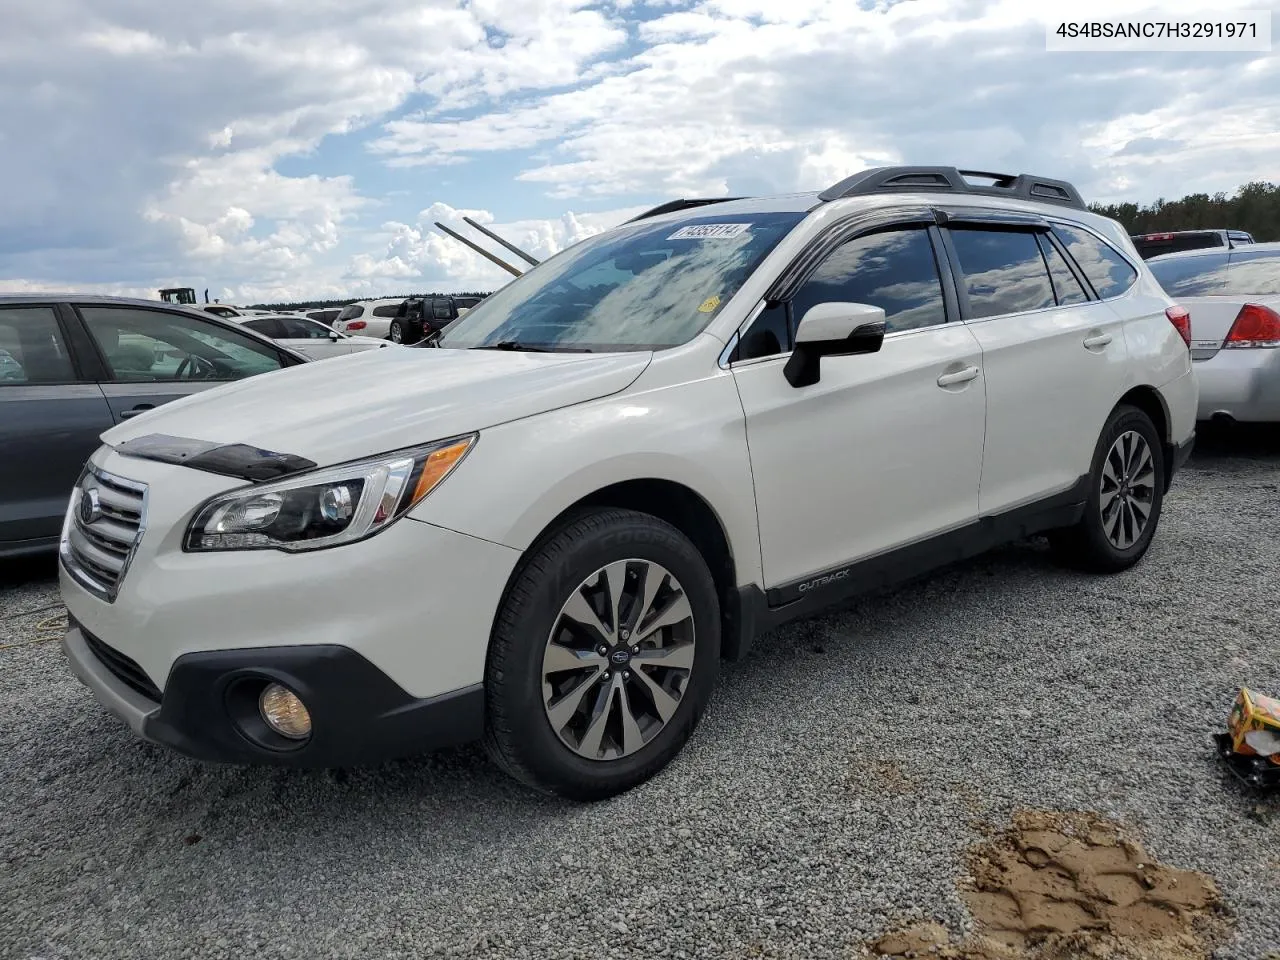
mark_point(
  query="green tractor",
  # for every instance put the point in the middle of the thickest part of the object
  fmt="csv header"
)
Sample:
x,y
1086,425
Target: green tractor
x,y
181,295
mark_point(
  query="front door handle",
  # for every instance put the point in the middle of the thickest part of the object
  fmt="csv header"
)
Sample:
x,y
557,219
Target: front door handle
x,y
960,376
1100,340
140,408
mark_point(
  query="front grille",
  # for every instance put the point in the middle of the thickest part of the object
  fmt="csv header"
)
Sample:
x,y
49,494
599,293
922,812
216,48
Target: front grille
x,y
105,520
125,670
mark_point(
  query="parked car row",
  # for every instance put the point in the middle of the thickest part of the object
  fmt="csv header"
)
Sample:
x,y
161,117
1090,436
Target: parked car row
x,y
405,320
308,336
621,468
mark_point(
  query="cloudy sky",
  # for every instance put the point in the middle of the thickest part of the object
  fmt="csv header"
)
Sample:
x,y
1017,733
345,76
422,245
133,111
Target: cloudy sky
x,y
284,149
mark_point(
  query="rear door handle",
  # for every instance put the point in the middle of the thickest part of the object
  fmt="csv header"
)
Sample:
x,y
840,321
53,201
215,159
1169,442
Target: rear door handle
x,y
140,408
1101,340
960,376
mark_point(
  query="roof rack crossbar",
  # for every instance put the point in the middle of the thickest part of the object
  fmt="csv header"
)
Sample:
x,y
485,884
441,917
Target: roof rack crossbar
x,y
1022,186
683,204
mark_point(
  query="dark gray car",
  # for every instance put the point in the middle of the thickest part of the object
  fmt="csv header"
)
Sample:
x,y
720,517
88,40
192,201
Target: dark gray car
x,y
72,366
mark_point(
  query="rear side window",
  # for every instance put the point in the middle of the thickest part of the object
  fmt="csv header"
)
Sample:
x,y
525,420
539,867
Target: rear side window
x,y
386,310
352,312
31,348
267,326
1065,285
1254,273
1201,276
1109,272
895,269
1002,272
295,328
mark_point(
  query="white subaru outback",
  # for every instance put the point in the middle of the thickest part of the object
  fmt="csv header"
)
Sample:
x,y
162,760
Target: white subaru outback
x,y
548,528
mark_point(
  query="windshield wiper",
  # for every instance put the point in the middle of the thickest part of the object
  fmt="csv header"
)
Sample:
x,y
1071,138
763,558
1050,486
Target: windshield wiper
x,y
512,345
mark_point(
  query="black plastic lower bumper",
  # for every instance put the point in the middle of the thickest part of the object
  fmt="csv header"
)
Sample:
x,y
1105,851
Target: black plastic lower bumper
x,y
1177,456
359,715
209,707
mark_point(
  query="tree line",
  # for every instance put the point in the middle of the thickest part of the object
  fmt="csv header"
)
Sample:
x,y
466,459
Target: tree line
x,y
1254,207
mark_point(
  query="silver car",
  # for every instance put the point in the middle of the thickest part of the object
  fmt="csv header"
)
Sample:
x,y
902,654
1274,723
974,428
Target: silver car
x,y
1234,300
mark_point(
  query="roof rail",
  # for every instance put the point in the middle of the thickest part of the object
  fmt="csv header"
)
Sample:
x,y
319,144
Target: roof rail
x,y
1023,186
673,205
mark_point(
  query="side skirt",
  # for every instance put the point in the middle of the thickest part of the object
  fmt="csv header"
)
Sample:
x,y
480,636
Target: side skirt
x,y
760,611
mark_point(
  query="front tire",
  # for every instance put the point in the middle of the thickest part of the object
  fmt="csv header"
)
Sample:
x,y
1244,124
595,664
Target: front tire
x,y
1126,496
396,335
603,656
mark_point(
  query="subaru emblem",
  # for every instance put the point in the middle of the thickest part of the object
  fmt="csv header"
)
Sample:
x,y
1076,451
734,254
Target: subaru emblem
x,y
90,506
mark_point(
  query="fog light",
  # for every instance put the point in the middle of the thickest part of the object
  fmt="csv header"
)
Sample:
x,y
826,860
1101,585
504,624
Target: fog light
x,y
284,712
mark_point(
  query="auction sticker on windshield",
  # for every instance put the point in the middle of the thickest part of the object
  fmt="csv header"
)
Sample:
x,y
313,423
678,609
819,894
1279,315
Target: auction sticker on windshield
x,y
710,231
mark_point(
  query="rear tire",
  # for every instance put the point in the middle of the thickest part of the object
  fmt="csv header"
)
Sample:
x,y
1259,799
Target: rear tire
x,y
603,656
1126,496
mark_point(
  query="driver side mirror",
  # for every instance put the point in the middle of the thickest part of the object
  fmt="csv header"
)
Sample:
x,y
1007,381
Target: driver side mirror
x,y
832,330
334,336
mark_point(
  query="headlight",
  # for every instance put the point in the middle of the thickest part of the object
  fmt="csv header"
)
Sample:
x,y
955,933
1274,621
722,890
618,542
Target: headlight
x,y
325,508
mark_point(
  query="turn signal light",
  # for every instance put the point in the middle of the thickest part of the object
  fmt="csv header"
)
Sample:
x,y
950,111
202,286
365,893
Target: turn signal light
x,y
1254,326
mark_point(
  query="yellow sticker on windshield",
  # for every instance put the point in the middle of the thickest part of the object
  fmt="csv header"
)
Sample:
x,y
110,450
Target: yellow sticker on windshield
x,y
709,304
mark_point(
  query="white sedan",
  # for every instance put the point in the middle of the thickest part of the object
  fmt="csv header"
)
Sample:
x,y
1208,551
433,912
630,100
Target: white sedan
x,y
1234,299
310,337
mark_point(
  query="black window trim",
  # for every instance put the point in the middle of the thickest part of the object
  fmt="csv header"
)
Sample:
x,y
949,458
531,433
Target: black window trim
x,y
80,372
1090,295
1089,287
814,254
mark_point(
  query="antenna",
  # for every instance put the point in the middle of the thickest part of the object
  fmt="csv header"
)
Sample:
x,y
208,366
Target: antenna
x,y
480,250
510,246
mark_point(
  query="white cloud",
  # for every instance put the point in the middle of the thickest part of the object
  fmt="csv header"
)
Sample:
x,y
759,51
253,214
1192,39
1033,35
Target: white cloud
x,y
788,89
144,144
420,253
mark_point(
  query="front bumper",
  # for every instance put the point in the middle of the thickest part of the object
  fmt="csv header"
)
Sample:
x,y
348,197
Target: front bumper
x,y
1243,384
401,619
208,709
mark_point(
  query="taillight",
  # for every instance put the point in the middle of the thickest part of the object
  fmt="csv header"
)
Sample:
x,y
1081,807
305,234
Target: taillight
x,y
356,325
1254,326
1181,319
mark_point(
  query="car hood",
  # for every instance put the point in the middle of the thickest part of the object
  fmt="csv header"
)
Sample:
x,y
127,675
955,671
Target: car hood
x,y
378,400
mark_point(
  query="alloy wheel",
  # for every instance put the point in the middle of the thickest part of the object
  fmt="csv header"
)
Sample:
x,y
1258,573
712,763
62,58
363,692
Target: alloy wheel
x,y
395,334
618,659
1127,489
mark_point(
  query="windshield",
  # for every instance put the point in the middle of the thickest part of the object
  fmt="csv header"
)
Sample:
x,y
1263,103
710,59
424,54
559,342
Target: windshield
x,y
643,286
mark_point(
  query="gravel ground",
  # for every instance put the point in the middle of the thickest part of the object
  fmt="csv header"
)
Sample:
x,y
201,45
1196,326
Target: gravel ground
x,y
828,795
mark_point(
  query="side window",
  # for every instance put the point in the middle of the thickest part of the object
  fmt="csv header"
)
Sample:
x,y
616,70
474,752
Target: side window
x,y
1109,272
1002,271
267,326
1254,273
31,347
768,334
295,328
1065,284
894,269
148,345
386,310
